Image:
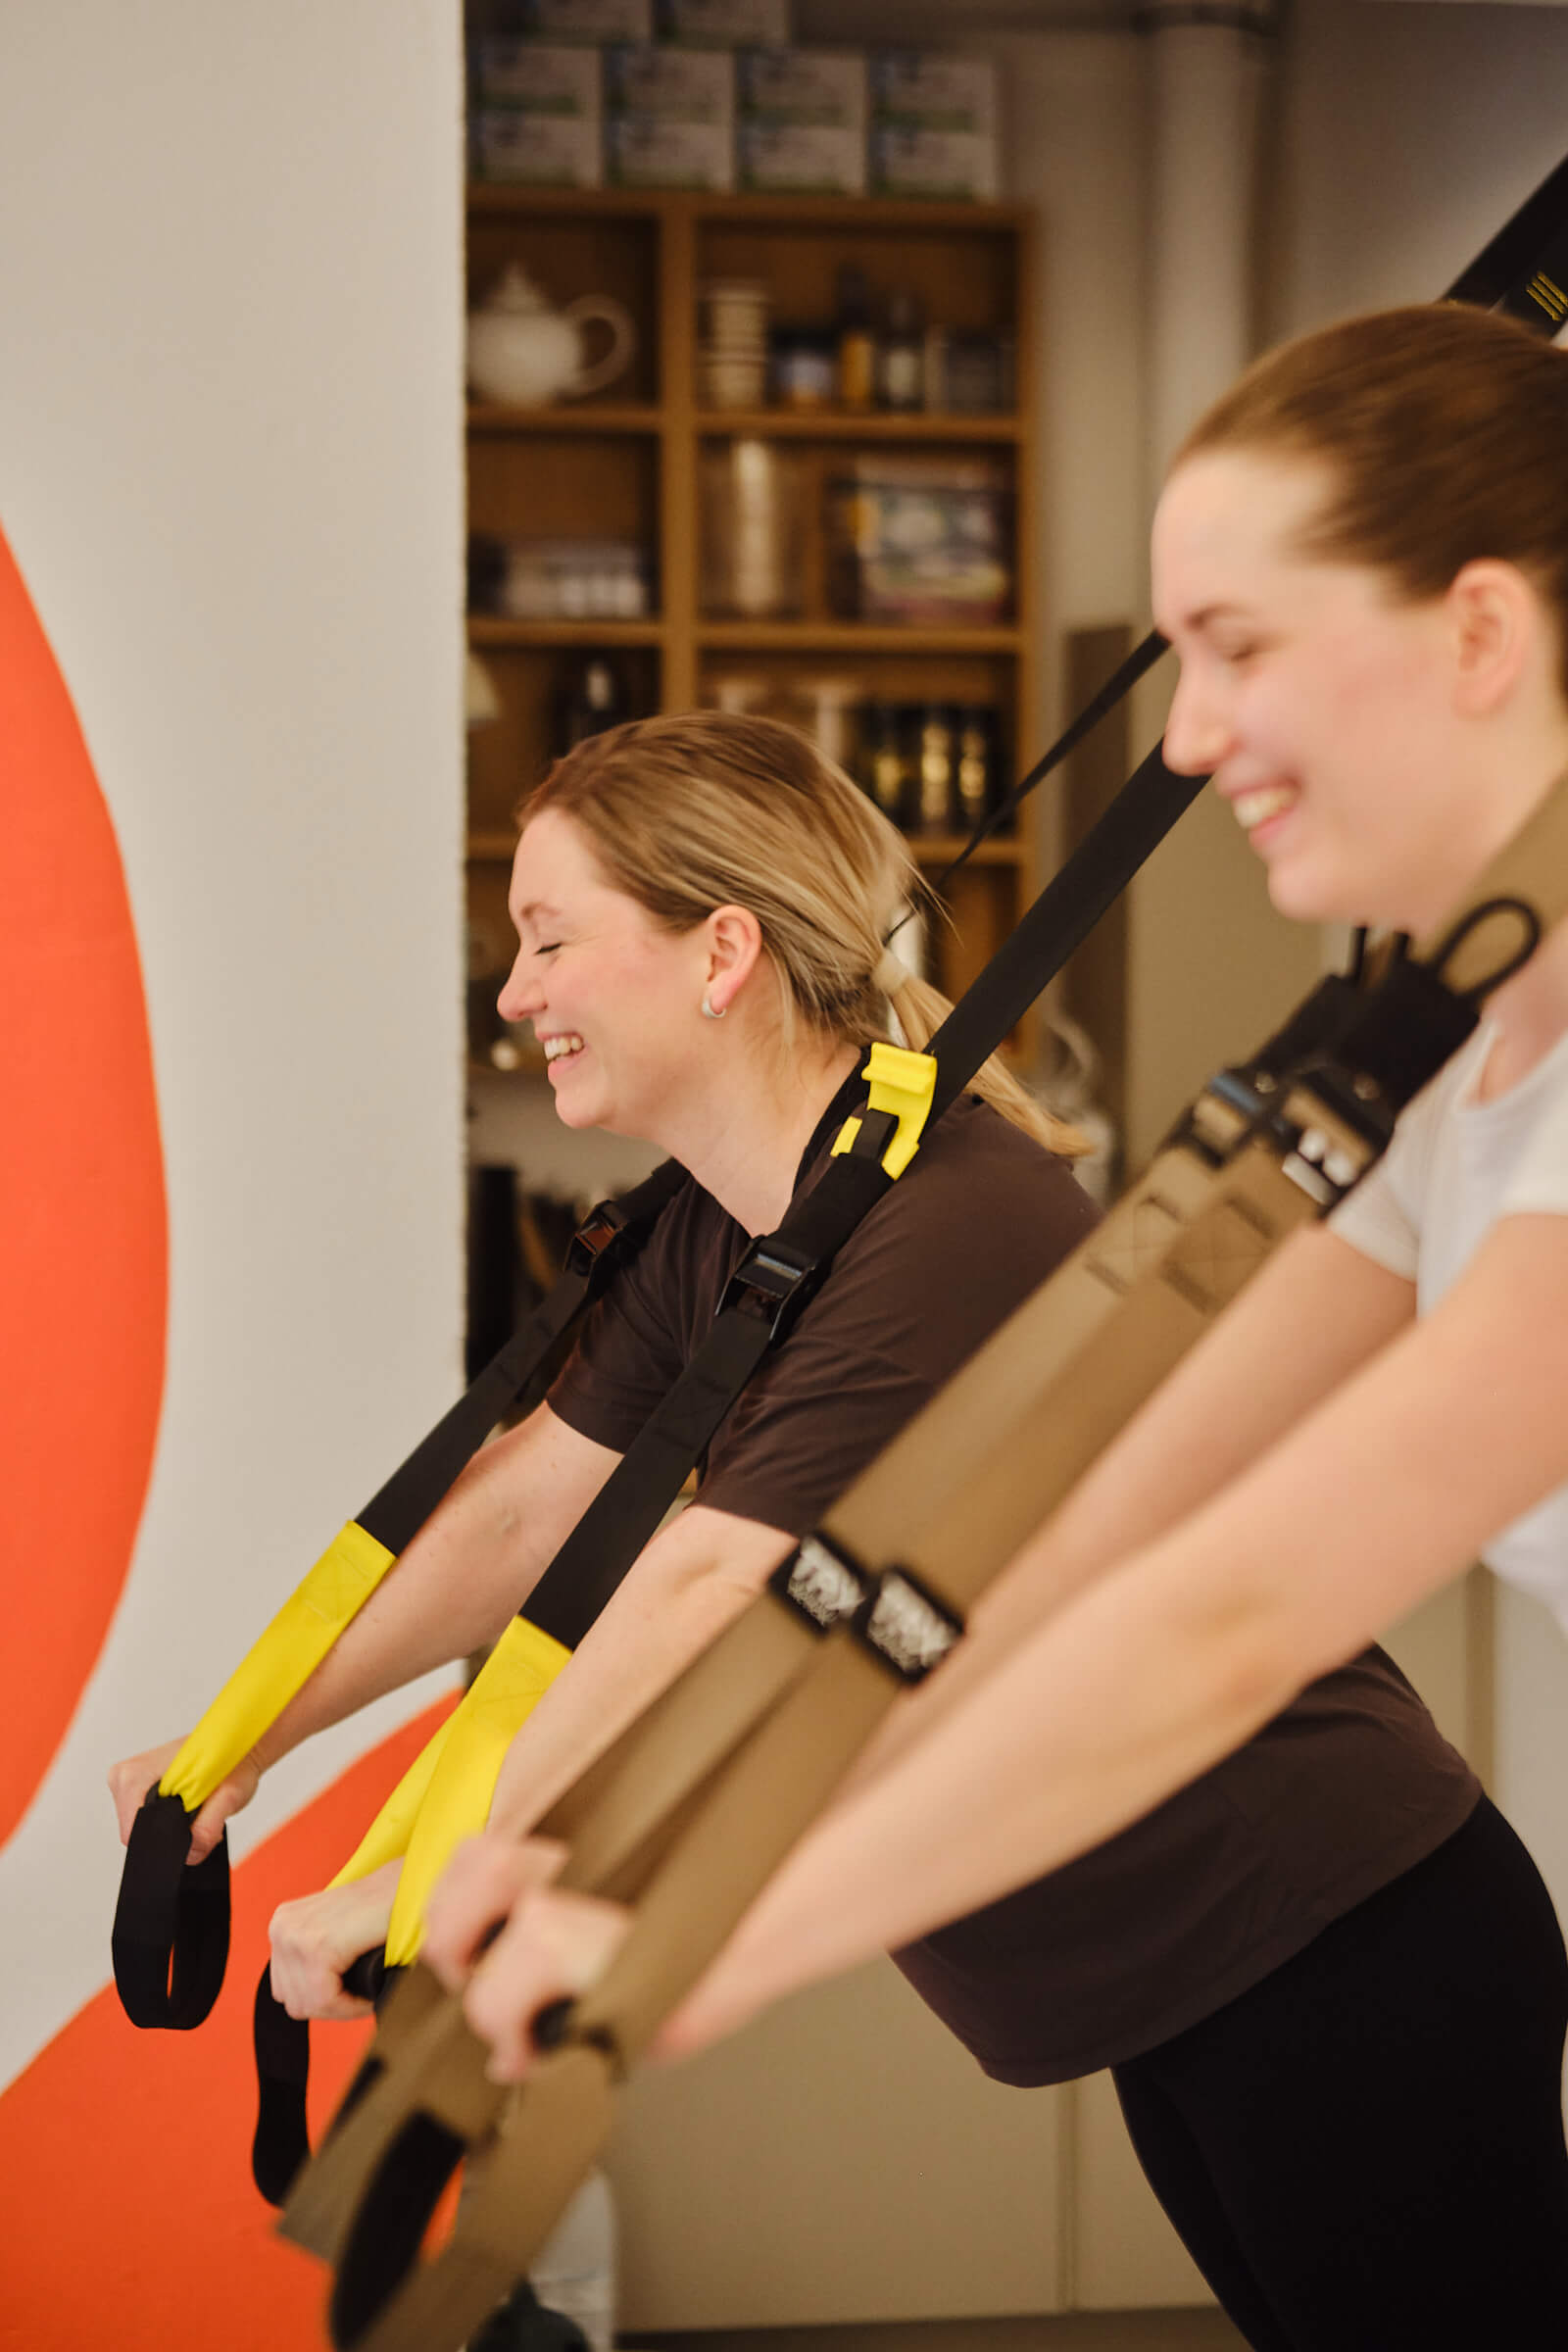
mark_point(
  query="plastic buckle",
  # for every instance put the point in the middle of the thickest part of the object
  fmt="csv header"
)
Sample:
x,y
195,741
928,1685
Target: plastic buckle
x,y
771,1284
902,1083
1232,1106
602,1225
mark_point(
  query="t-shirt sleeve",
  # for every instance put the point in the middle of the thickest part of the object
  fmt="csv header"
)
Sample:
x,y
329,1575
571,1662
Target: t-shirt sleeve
x,y
1381,1218
1375,1221
629,1352
1541,1180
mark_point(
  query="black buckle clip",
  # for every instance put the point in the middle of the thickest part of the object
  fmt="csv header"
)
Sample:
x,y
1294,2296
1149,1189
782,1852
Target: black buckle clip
x,y
601,1228
1217,1123
772,1282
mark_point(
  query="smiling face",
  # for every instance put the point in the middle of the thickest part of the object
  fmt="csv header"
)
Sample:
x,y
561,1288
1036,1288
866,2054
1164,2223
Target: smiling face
x,y
613,996
1324,708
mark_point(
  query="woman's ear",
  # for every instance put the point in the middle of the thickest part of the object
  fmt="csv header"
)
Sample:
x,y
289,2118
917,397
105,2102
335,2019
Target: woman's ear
x,y
1498,625
734,944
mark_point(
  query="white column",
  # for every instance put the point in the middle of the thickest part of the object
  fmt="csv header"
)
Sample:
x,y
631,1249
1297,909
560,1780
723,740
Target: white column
x,y
1206,77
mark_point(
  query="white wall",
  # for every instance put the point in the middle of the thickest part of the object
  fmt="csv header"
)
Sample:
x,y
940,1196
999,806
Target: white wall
x,y
231,272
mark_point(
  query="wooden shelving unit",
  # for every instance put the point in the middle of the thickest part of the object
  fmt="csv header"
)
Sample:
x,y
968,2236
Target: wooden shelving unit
x,y
627,462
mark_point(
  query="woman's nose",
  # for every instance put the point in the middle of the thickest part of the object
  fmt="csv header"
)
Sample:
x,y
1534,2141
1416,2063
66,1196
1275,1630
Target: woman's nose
x,y
1197,732
520,993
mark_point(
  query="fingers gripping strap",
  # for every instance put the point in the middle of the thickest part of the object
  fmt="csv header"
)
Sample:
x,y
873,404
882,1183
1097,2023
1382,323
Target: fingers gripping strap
x,y
514,1676
286,1655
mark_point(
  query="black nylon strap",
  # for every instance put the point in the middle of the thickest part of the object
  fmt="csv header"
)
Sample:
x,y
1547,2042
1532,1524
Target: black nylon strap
x,y
169,1941
281,2046
1506,264
764,1298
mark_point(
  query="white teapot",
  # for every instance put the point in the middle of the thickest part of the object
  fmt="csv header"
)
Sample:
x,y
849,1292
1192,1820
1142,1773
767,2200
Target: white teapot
x,y
526,354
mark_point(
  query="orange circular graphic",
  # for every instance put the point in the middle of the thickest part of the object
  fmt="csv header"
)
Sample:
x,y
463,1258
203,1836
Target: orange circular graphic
x,y
83,1238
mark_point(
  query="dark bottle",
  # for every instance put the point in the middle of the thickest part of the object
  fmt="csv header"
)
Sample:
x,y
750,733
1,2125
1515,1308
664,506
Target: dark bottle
x,y
975,776
935,770
856,343
594,697
886,765
900,355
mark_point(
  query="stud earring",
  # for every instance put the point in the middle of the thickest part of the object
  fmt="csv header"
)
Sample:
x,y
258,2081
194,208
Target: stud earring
x,y
708,1012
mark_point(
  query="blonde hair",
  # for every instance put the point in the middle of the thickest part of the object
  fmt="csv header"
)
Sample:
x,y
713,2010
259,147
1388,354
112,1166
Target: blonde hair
x,y
708,808
1444,434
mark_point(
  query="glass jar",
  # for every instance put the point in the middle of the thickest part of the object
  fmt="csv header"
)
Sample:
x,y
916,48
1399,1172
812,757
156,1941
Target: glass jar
x,y
750,510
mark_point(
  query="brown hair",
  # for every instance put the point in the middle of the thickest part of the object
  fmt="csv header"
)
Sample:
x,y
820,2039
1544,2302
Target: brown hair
x,y
1445,431
708,808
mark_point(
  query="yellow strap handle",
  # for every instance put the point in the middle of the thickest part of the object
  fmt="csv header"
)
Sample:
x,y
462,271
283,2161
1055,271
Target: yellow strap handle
x,y
286,1655
902,1083
516,1675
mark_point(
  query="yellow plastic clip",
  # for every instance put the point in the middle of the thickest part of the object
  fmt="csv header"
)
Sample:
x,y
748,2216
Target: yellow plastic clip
x,y
902,1083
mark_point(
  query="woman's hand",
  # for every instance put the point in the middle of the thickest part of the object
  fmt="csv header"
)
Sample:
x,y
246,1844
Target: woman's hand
x,y
130,1780
315,1938
497,1931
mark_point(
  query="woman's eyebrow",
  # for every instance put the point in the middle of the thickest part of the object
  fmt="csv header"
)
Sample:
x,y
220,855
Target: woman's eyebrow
x,y
531,911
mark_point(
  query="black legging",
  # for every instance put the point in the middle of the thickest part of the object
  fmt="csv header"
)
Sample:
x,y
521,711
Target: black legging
x,y
1364,2153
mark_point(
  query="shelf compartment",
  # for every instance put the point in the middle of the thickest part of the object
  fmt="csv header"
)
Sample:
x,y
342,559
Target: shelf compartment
x,y
919,427
572,251
850,637
485,629
511,755
629,417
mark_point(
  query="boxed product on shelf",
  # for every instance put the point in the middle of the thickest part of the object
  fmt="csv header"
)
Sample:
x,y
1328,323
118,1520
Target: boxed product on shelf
x,y
922,541
934,90
537,77
559,579
812,159
824,87
678,85
541,151
725,24
948,164
654,151
591,21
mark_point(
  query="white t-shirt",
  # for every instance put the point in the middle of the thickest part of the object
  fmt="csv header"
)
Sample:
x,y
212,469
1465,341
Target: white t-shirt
x,y
1455,1167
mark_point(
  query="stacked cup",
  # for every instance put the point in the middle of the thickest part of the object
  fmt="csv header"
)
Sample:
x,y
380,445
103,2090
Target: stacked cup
x,y
732,357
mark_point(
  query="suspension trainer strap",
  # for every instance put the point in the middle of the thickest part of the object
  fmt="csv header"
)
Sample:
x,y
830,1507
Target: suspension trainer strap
x,y
1262,1152
170,1933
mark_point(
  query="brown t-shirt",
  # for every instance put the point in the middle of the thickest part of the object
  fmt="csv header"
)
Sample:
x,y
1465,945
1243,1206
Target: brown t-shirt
x,y
1348,1788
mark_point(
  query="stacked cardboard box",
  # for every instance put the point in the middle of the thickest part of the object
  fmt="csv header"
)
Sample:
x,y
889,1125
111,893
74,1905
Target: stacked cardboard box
x,y
933,124
802,120
669,118
537,113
